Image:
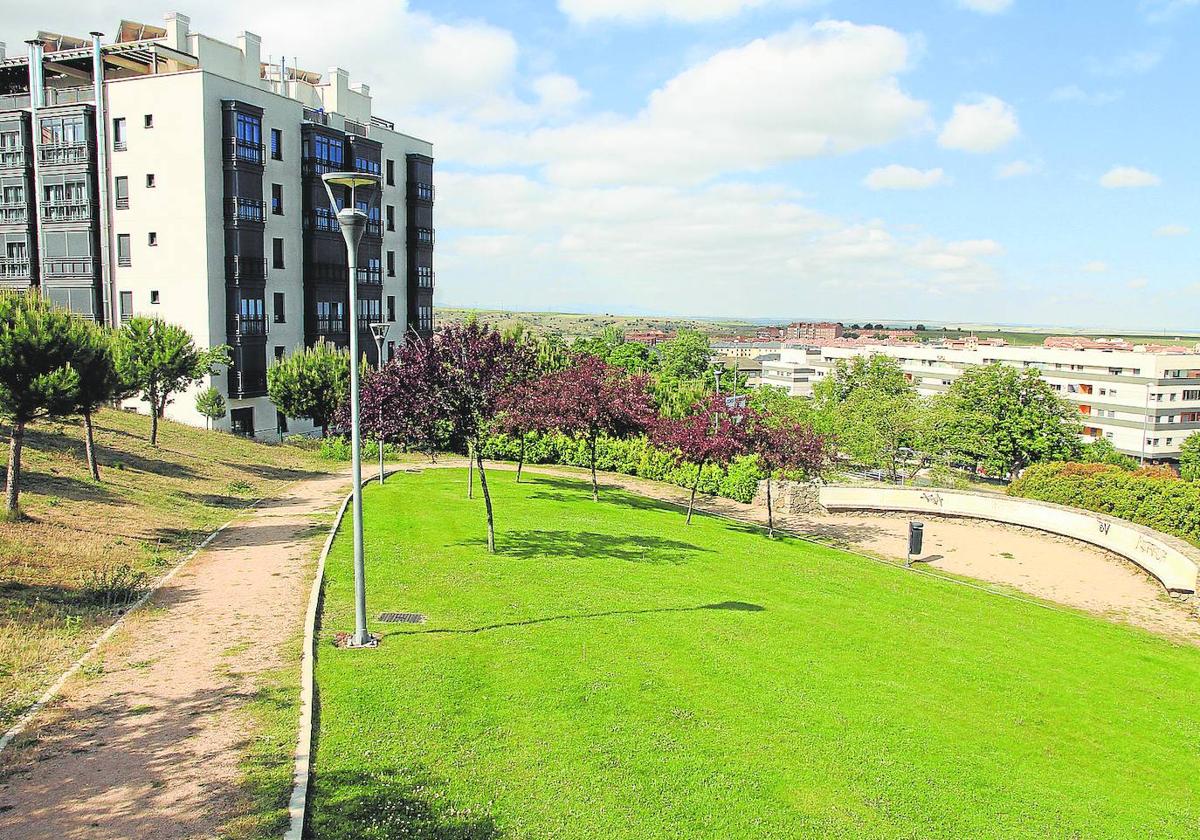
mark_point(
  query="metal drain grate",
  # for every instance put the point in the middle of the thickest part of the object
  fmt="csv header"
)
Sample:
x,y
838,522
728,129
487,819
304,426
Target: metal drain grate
x,y
402,618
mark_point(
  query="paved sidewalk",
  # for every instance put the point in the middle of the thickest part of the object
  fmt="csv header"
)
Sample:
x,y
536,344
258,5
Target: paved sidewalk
x,y
149,747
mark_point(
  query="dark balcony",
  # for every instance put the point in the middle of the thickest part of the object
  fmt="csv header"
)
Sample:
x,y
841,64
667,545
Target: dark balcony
x,y
243,151
370,276
319,166
421,236
243,269
14,214
67,211
375,228
425,281
330,326
64,154
249,327
15,268
421,192
246,210
14,159
321,221
248,383
328,272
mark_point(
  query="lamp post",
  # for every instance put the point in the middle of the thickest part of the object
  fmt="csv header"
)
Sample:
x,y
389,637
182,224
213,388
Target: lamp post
x,y
380,331
353,223
718,371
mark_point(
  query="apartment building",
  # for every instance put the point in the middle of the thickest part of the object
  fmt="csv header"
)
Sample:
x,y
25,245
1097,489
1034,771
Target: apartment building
x,y
1145,400
171,174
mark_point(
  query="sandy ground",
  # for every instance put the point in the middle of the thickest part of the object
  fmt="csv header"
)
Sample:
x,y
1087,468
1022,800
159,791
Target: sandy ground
x,y
149,747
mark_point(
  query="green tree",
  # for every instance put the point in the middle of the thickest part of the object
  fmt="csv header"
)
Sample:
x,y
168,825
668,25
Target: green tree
x,y
311,383
1189,458
100,382
210,404
1101,451
157,360
632,357
551,353
684,357
37,379
879,430
1007,418
777,406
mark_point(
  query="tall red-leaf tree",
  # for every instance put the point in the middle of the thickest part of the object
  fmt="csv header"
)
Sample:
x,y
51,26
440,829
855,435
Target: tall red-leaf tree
x,y
523,412
715,432
788,446
405,402
591,399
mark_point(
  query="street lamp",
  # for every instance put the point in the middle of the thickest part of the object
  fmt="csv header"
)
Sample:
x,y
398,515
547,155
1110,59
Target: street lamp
x,y
380,331
718,371
353,223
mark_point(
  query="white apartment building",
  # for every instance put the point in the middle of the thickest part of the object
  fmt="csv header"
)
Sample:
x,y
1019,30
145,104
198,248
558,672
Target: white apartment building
x,y
1146,401
170,174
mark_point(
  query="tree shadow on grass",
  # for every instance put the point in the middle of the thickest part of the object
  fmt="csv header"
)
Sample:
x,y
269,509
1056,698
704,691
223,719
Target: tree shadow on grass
x,y
586,545
728,606
66,487
273,473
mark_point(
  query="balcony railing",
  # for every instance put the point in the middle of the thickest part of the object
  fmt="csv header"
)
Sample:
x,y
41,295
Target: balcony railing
x,y
422,235
14,101
71,95
425,281
382,123
122,202
13,214
12,158
243,150
247,383
330,326
14,267
66,211
61,154
355,127
328,272
246,209
421,191
316,116
321,221
249,326
246,268
318,166
372,276
69,266
375,228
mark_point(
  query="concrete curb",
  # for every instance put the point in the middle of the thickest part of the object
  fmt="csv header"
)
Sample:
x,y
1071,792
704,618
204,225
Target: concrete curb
x,y
302,769
53,691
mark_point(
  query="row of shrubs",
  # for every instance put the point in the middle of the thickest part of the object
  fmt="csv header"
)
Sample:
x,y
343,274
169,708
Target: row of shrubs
x,y
1151,497
631,456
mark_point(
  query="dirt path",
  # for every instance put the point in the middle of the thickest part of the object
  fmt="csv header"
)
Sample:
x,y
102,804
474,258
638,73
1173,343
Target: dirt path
x,y
148,748
1056,569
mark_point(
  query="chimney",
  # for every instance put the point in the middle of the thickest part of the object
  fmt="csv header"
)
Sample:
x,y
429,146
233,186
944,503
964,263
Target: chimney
x,y
176,24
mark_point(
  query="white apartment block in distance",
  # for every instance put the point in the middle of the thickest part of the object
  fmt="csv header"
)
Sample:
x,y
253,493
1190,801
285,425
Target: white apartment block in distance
x,y
1144,399
170,174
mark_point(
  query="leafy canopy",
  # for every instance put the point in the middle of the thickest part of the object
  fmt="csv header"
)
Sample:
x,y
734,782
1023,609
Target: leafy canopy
x,y
312,382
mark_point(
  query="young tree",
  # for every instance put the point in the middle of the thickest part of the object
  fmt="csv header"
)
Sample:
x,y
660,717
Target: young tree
x,y
590,399
522,411
1189,458
685,356
879,430
37,379
311,382
715,433
99,382
1009,418
156,360
480,365
405,402
787,445
211,405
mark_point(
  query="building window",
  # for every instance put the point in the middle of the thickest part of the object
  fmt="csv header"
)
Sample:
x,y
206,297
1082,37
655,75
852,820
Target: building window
x,y
279,352
122,191
126,306
391,217
148,121
277,199
391,306
276,144
277,253
391,173
119,138
152,239
154,296
241,421
124,255
149,180
391,263
280,318
391,350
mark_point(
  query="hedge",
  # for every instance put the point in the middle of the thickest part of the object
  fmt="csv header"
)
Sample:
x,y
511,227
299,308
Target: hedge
x,y
632,456
1149,497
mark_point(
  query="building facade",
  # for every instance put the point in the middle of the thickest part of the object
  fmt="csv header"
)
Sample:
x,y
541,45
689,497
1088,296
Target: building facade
x,y
170,174
1146,401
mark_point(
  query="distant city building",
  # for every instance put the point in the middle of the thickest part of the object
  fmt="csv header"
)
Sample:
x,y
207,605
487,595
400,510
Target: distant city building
x,y
648,337
171,174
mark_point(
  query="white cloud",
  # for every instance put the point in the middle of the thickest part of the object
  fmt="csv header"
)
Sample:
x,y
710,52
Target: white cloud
x,y
1123,177
1131,63
1172,230
987,7
1074,93
897,177
985,125
639,11
1094,267
1138,283
557,92
1160,11
1016,169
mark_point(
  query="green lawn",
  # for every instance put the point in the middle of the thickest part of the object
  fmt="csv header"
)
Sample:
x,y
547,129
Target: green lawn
x,y
612,673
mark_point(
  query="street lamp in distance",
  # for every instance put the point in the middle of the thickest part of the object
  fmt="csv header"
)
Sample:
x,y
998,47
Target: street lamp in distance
x,y
380,331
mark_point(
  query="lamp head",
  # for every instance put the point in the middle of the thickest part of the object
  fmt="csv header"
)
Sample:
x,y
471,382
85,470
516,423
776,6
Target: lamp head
x,y
363,187
380,330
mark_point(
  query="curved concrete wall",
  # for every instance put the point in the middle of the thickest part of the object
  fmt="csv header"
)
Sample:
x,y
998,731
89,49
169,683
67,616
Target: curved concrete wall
x,y
1171,560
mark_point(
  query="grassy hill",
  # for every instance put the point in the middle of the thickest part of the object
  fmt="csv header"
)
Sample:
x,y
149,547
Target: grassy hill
x,y
85,548
613,673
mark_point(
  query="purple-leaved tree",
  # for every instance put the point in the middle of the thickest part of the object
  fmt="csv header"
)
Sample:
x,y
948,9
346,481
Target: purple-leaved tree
x,y
521,413
405,402
788,446
714,432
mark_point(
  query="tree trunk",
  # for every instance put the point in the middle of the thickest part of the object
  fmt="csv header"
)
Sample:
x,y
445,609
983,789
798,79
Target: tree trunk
x,y
692,501
520,459
12,490
595,486
770,512
470,471
153,424
487,503
89,446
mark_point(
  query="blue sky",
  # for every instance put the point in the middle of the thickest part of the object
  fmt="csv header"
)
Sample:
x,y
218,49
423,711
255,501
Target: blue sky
x,y
947,160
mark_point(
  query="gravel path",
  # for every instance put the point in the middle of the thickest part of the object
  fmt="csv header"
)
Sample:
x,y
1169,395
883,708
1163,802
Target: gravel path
x,y
149,746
